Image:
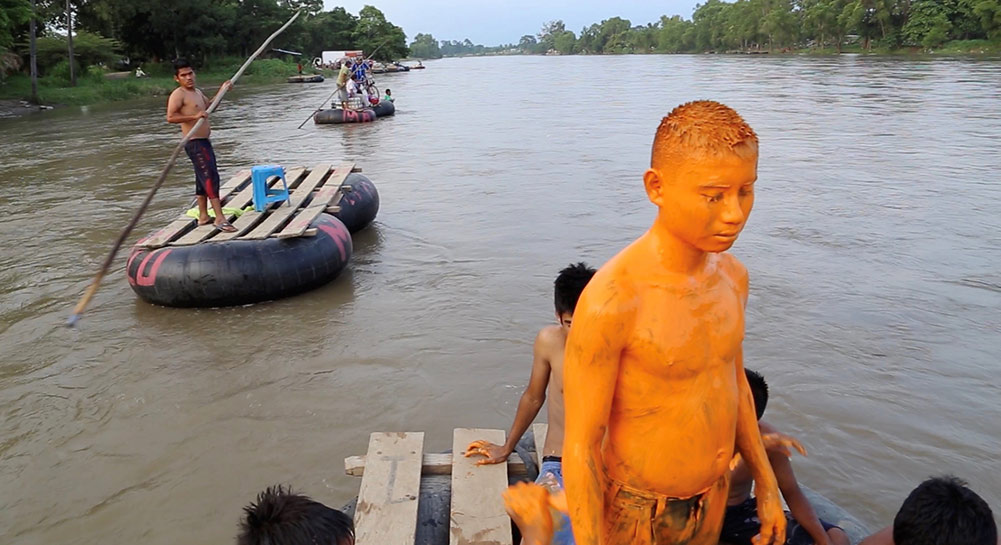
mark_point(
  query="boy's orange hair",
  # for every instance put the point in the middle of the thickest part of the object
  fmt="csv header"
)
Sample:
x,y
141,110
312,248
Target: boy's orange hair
x,y
700,128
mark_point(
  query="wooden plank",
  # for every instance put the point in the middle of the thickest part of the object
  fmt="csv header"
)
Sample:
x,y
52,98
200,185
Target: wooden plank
x,y
477,513
435,464
539,431
249,219
280,215
178,226
387,500
319,204
240,200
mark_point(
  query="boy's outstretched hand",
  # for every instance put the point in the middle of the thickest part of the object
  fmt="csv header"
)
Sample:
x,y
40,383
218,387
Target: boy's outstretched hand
x,y
494,454
780,442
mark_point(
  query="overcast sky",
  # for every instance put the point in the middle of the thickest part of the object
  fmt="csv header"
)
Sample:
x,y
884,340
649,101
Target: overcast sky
x,y
505,21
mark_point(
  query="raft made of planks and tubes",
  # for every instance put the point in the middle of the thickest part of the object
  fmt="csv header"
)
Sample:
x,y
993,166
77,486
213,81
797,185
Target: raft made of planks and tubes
x,y
304,78
291,247
409,497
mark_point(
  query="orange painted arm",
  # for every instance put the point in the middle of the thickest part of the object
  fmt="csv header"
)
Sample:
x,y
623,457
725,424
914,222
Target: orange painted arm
x,y
591,366
751,448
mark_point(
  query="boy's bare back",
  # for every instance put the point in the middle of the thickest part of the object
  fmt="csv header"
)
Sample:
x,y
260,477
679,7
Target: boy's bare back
x,y
551,342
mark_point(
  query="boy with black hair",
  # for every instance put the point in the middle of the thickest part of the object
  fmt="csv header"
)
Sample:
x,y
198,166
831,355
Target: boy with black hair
x,y
741,524
186,105
547,373
940,511
282,517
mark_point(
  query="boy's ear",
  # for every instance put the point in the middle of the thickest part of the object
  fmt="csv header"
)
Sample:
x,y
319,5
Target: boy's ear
x,y
654,184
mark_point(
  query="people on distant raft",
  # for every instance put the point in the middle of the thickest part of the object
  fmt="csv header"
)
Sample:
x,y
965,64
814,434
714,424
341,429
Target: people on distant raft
x,y
940,511
186,105
343,77
740,522
547,375
299,66
389,96
282,517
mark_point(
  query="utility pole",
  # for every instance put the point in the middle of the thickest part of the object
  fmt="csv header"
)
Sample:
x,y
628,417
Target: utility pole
x,y
69,36
33,63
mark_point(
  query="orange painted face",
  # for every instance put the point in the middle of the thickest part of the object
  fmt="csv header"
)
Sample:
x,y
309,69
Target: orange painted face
x,y
704,201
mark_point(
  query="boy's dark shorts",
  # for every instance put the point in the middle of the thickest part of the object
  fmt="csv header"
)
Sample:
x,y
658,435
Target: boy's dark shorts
x,y
206,174
741,523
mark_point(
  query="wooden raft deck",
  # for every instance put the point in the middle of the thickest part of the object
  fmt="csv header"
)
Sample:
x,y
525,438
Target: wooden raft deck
x,y
391,473
324,182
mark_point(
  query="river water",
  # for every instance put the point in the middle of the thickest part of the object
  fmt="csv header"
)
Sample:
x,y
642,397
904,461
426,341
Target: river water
x,y
874,251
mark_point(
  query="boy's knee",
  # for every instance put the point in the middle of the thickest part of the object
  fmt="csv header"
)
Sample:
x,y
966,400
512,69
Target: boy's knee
x,y
838,536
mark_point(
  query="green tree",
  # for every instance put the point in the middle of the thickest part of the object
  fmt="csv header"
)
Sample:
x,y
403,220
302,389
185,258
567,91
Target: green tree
x,y
378,37
547,36
425,46
928,24
14,14
527,43
675,35
564,42
89,49
989,13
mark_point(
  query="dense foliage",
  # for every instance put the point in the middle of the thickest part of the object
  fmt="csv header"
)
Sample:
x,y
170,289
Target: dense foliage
x,y
155,31
744,25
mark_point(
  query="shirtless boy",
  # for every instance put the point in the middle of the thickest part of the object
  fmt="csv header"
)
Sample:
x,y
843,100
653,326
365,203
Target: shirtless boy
x,y
547,372
741,524
186,106
654,386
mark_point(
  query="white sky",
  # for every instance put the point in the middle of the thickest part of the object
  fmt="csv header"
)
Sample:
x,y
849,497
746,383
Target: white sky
x,y
492,22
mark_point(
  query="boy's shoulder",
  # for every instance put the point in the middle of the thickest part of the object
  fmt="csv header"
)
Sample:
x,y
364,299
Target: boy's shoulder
x,y
551,336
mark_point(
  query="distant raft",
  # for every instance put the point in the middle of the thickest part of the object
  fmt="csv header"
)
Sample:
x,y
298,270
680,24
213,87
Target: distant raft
x,y
283,251
337,115
315,78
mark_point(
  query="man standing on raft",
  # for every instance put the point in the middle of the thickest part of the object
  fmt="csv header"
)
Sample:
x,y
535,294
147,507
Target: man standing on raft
x,y
654,384
186,106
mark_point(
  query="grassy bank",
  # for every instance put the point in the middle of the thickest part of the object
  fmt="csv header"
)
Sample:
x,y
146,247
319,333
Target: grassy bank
x,y
94,87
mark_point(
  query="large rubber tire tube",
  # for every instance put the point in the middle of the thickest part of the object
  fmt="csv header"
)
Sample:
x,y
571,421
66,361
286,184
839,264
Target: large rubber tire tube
x,y
337,116
359,204
240,272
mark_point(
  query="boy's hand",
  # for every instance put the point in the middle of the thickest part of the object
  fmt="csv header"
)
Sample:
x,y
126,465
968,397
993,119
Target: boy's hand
x,y
494,454
227,85
772,517
780,442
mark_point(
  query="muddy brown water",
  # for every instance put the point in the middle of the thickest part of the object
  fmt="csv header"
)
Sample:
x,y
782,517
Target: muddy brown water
x,y
874,251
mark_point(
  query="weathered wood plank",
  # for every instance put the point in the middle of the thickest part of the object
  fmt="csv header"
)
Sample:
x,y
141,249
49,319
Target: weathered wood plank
x,y
240,200
320,202
539,431
387,500
281,214
178,226
477,513
249,219
434,464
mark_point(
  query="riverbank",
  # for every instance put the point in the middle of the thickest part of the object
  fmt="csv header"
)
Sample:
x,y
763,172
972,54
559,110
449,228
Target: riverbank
x,y
96,88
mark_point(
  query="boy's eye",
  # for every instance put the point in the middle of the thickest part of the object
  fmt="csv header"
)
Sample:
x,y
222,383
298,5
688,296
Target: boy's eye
x,y
746,190
714,198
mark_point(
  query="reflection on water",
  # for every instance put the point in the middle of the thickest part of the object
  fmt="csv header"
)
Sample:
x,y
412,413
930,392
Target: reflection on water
x,y
874,253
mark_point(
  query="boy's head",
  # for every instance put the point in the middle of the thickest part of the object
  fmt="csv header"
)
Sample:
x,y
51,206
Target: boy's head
x,y
702,171
184,74
943,511
388,92
568,286
759,390
281,517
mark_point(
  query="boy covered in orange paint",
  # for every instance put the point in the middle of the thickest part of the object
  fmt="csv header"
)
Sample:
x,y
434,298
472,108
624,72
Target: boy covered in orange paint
x,y
654,387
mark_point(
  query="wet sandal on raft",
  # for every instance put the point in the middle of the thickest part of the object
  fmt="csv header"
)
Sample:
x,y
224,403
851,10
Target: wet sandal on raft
x,y
225,227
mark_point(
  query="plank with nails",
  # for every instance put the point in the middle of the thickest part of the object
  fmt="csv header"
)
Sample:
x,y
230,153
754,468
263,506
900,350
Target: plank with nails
x,y
280,215
321,201
477,512
387,500
181,224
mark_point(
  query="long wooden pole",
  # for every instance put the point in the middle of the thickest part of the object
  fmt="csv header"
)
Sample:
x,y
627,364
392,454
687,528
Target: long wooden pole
x,y
92,289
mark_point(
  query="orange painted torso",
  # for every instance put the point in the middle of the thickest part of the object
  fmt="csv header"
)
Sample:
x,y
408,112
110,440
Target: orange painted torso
x,y
674,412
